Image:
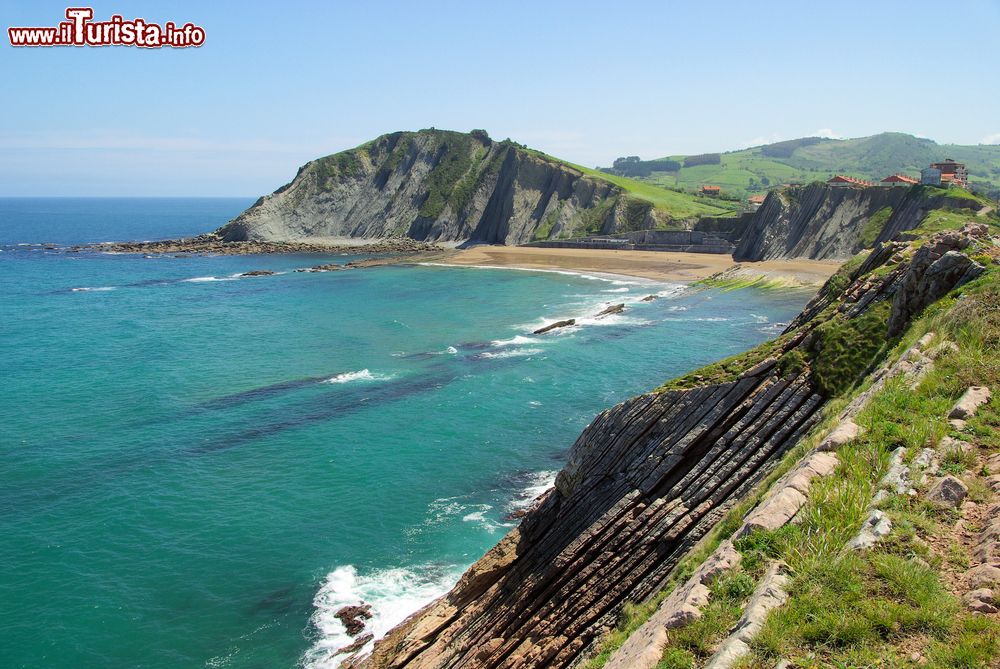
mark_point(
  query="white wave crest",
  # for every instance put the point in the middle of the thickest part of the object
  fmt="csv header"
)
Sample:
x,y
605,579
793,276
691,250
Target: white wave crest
x,y
536,484
205,279
360,375
511,353
393,594
519,340
624,289
99,289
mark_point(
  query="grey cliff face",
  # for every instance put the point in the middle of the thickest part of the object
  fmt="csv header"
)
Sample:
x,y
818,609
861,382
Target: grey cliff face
x,y
439,186
825,223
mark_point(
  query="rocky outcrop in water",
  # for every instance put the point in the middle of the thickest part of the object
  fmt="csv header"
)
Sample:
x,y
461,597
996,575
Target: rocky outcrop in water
x,y
437,185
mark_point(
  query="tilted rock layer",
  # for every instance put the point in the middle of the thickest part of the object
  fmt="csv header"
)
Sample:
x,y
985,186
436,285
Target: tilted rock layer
x,y
436,185
823,222
644,482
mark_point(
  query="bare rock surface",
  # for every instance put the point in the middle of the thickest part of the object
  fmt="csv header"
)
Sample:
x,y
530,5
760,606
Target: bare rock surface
x,y
642,650
875,528
947,491
969,402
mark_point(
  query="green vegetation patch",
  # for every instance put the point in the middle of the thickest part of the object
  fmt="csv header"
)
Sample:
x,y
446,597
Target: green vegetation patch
x,y
455,160
874,225
843,349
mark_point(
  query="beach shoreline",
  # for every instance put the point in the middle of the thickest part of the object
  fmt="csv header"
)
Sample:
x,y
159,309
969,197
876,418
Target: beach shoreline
x,y
666,266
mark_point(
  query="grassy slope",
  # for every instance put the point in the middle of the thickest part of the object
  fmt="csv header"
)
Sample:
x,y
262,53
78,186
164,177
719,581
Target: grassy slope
x,y
676,204
874,608
868,157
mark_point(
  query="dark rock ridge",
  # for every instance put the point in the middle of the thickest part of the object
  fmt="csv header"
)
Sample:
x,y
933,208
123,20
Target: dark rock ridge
x,y
645,481
823,222
438,185
214,244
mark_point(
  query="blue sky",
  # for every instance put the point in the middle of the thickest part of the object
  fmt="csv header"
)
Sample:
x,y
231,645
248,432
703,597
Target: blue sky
x,y
277,84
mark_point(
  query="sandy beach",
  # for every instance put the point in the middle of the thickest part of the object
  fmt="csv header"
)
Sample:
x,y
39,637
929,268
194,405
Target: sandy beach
x,y
657,265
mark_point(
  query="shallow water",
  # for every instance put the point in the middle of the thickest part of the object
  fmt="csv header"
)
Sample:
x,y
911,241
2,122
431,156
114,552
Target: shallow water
x,y
199,469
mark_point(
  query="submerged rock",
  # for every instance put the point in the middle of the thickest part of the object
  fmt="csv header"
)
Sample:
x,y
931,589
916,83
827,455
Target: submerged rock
x,y
353,617
558,324
258,272
613,309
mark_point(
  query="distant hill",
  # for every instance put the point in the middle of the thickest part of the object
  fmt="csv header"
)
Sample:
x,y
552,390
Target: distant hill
x,y
754,170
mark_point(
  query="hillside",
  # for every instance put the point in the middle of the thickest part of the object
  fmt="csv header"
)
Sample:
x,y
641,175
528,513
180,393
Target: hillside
x,y
437,185
742,173
797,505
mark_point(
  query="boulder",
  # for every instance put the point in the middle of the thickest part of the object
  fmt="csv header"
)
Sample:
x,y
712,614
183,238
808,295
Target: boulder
x,y
558,324
258,272
969,402
947,491
648,298
984,576
981,601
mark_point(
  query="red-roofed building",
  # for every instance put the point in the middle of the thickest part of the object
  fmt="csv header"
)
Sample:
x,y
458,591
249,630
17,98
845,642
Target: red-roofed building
x,y
755,201
711,190
843,181
898,180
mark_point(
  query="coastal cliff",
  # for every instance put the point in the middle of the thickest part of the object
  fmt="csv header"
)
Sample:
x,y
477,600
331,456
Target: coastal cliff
x,y
441,186
823,222
648,479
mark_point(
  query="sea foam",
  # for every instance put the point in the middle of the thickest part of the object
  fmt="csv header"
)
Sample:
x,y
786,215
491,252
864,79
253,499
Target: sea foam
x,y
360,375
392,593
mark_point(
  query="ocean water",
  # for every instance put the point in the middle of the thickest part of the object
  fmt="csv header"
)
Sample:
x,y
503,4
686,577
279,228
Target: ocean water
x,y
199,469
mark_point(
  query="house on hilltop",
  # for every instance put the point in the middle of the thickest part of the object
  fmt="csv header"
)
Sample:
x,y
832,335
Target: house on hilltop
x,y
946,173
898,180
711,190
842,181
754,202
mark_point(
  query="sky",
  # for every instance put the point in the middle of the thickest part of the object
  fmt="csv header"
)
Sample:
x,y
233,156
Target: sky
x,y
279,83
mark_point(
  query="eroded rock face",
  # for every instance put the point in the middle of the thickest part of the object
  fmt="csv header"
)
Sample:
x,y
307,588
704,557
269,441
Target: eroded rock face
x,y
818,221
436,185
644,482
937,268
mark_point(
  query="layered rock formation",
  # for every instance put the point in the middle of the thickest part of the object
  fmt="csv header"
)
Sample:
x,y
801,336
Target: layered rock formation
x,y
822,222
645,481
436,185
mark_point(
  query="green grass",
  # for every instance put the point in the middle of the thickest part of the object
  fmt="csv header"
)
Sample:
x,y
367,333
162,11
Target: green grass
x,y
692,644
742,173
678,205
873,226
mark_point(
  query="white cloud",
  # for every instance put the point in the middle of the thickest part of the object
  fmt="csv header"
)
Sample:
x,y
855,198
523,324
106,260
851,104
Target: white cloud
x,y
991,139
827,133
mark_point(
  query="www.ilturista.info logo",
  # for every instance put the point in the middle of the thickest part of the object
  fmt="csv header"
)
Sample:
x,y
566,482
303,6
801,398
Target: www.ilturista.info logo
x,y
79,30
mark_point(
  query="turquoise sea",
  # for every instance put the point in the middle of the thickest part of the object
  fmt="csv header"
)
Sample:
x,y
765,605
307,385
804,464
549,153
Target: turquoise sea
x,y
199,469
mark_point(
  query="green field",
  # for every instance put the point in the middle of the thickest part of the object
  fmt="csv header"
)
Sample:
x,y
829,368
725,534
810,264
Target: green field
x,y
677,204
750,171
